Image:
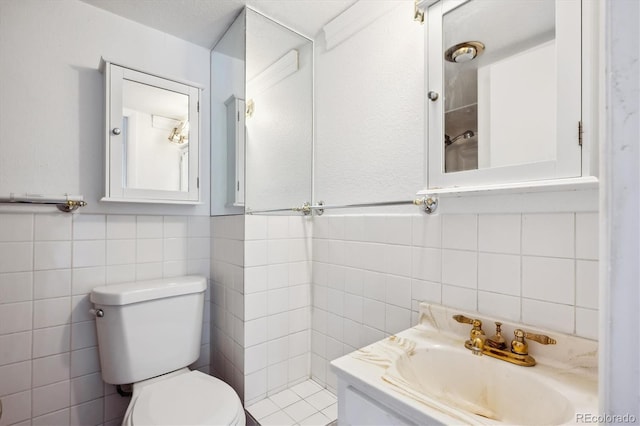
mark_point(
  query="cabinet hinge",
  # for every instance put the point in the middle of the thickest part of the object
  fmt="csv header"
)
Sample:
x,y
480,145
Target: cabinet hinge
x,y
580,133
198,106
238,116
238,186
197,182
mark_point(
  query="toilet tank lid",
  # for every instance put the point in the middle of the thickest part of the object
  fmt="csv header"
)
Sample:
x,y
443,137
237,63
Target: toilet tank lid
x,y
140,291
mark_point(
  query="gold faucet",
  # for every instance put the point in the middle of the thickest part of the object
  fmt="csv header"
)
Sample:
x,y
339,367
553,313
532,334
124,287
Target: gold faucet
x,y
496,346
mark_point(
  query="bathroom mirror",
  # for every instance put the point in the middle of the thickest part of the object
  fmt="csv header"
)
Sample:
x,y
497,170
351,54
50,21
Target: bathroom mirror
x,y
504,86
262,117
151,138
279,115
227,120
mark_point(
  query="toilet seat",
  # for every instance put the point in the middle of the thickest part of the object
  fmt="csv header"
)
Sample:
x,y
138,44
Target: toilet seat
x,y
192,398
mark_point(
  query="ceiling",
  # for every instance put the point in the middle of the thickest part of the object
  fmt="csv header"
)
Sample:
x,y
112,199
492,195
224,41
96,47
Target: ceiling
x,y
203,22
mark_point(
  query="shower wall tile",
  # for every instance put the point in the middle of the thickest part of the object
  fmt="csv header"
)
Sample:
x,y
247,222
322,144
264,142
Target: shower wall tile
x,y
49,365
370,272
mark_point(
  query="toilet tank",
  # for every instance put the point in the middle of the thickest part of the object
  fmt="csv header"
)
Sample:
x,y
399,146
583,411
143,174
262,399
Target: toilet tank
x,y
148,328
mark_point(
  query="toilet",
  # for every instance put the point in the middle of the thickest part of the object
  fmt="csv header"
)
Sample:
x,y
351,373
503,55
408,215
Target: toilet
x,y
149,332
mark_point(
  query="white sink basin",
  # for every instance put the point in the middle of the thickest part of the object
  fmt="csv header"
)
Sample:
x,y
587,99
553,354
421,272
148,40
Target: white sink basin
x,y
483,386
425,375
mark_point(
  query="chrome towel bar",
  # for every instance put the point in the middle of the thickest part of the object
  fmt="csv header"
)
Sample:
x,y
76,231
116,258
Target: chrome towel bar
x,y
65,203
429,204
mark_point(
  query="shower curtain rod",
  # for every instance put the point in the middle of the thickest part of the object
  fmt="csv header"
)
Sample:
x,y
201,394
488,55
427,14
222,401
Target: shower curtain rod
x,y
429,203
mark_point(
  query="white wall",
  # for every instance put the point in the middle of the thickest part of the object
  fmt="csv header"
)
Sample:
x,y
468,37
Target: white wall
x,y
52,114
52,103
369,94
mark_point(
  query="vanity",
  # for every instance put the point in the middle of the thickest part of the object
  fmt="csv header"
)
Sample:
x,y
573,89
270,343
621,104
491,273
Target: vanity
x,y
426,375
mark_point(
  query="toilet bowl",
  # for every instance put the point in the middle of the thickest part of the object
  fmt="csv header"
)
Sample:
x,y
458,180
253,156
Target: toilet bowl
x,y
184,398
149,332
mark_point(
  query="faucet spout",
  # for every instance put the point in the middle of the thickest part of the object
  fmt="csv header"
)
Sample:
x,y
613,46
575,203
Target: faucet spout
x,y
477,345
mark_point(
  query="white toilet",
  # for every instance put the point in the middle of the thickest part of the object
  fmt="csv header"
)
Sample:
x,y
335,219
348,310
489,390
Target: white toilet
x,y
148,333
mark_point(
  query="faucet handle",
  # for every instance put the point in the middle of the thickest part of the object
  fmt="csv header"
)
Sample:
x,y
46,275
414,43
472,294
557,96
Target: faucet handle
x,y
463,319
521,347
476,323
540,338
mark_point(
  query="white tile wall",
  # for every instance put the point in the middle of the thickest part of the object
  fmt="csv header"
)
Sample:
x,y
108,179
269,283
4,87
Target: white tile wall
x,y
228,301
539,269
260,304
49,364
277,303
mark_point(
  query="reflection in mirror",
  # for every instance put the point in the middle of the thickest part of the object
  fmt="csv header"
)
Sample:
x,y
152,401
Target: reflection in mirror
x,y
499,84
279,128
155,131
227,120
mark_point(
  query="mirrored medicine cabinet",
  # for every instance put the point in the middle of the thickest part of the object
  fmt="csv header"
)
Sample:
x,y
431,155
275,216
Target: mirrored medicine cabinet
x,y
504,92
151,137
262,112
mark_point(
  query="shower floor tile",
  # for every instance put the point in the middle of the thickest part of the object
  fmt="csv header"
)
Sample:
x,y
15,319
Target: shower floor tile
x,y
305,404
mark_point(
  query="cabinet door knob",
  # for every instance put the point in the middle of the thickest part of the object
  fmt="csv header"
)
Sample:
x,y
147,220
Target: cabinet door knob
x,y
116,131
433,96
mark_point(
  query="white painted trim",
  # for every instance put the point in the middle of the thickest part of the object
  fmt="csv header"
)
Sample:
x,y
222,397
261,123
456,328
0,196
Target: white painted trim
x,y
148,201
104,66
569,184
619,380
557,195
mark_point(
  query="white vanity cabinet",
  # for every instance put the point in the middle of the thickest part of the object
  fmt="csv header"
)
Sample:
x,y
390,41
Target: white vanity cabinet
x,y
357,408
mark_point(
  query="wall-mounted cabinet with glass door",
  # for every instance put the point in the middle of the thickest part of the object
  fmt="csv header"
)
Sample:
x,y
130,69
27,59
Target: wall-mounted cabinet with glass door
x,y
505,84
